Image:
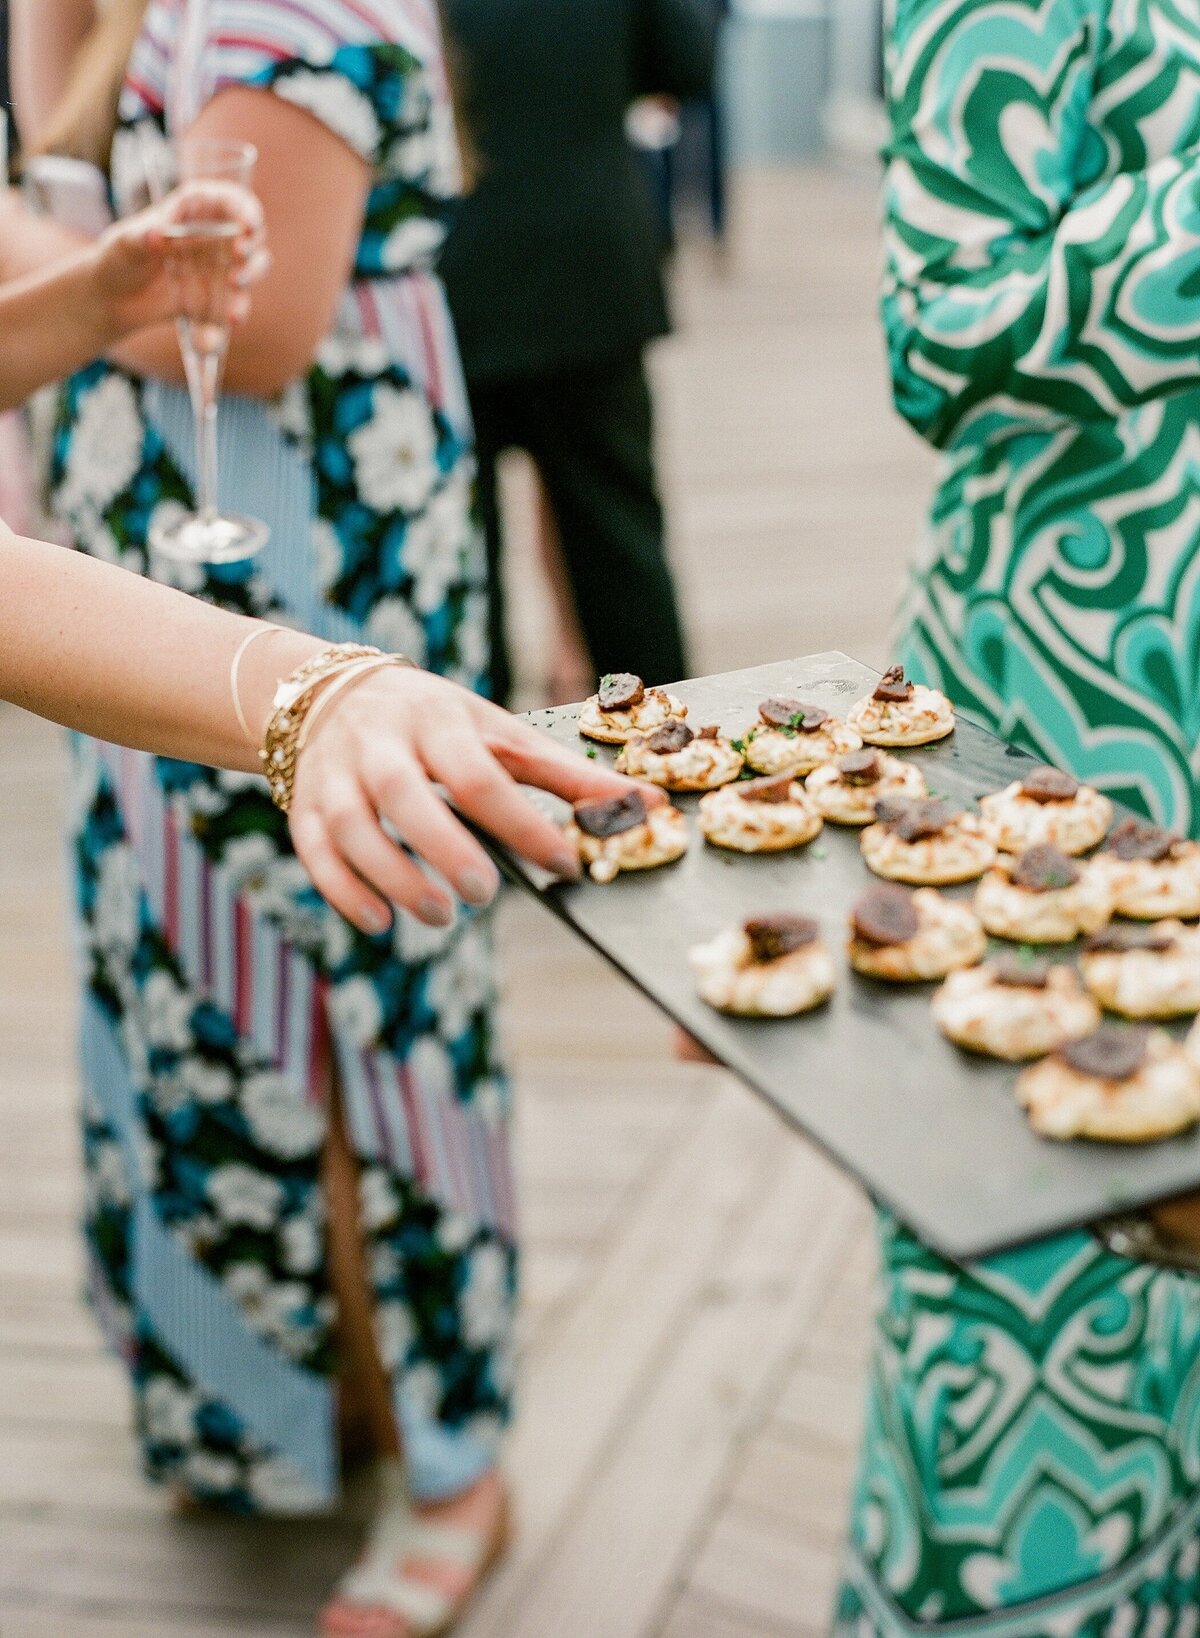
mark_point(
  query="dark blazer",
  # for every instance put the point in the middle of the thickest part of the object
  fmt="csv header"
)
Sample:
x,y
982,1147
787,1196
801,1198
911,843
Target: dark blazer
x,y
554,260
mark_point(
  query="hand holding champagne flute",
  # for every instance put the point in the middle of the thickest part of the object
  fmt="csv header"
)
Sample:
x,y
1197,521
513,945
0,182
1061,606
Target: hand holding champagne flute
x,y
200,274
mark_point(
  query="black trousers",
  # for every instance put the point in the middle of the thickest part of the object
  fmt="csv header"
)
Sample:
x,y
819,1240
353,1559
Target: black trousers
x,y
590,433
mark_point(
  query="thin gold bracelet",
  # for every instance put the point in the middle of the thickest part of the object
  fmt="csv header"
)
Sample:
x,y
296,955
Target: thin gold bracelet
x,y
344,679
235,666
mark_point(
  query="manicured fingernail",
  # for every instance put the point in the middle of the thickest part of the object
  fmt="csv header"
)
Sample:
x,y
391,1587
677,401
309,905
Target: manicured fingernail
x,y
376,921
566,864
435,912
477,887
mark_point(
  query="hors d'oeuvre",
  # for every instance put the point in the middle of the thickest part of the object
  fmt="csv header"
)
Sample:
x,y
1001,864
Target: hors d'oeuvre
x,y
625,706
679,759
791,737
847,790
1118,1085
1144,971
1014,1009
926,842
773,966
1043,897
626,833
760,815
1152,872
900,712
1046,808
910,937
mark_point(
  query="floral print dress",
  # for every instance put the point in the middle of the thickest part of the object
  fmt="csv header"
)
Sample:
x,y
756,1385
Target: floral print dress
x,y
220,993
1031,1465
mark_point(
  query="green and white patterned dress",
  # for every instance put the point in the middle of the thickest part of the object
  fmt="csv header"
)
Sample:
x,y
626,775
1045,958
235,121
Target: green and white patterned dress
x,y
1031,1465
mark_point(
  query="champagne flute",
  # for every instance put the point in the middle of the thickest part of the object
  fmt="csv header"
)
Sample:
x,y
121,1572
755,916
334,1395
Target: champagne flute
x,y
200,283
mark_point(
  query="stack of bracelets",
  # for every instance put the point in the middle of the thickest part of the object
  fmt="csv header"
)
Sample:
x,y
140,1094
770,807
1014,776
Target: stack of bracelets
x,y
299,701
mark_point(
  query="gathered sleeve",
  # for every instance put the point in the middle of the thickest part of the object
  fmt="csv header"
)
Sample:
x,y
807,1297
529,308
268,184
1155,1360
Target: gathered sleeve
x,y
373,73
1021,282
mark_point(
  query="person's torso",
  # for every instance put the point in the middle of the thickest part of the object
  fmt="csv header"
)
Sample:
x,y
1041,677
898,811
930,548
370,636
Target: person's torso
x,y
554,257
1138,106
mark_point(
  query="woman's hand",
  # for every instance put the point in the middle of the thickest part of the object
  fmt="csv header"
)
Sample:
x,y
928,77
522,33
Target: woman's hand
x,y
137,267
378,754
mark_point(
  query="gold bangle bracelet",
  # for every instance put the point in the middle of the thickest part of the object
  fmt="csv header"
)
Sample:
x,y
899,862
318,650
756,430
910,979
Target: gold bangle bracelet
x,y
337,684
235,667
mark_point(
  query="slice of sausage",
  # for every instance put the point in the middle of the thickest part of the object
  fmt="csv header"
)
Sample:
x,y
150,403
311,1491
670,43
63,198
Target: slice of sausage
x,y
612,817
674,735
1044,869
621,691
863,767
1122,936
774,788
885,915
1108,1053
1050,785
892,688
781,713
915,819
1136,839
779,934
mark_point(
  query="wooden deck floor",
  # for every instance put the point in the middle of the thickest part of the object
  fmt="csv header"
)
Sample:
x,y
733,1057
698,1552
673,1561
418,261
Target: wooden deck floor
x,y
696,1283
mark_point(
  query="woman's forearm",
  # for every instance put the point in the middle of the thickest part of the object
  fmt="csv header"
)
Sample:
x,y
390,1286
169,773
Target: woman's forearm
x,y
250,369
111,654
51,325
44,36
30,243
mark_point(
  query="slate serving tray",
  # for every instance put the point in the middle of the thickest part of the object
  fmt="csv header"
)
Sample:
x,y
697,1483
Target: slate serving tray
x,y
932,1132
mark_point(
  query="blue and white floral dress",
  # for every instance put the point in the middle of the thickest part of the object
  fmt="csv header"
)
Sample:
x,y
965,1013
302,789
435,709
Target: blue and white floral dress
x,y
219,991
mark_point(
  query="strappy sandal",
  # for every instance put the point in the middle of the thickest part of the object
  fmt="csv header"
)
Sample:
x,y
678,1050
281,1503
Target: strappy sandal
x,y
406,1606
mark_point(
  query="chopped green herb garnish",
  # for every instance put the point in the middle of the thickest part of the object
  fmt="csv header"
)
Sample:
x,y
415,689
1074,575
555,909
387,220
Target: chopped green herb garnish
x,y
591,753
739,746
1026,954
819,852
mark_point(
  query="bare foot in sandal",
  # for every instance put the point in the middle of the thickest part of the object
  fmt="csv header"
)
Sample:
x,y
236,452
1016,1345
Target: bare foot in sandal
x,y
422,1564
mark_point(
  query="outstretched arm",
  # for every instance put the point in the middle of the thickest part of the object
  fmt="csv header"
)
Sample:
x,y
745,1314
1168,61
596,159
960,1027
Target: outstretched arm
x,y
106,652
1020,281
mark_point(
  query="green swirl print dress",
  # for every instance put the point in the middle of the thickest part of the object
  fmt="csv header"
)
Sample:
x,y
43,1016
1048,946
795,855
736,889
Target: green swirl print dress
x,y
1031,1465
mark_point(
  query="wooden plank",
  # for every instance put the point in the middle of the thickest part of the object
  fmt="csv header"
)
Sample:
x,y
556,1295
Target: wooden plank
x,y
33,1317
696,1617
611,1569
227,1568
80,1468
26,1621
819,1402
800,1485
772,1573
84,1390
589,1371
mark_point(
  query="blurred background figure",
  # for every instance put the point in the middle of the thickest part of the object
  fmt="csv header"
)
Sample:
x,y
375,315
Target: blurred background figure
x,y
684,151
554,271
